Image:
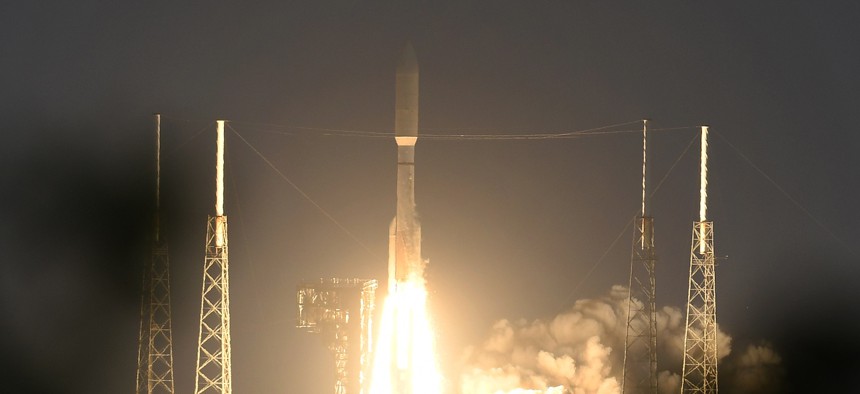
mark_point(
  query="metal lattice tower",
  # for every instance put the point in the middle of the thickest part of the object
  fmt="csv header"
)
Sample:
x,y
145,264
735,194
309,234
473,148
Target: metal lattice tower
x,y
213,343
155,347
329,307
640,351
700,339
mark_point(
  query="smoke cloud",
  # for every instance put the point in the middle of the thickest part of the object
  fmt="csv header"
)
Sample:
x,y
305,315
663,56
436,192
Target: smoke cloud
x,y
580,351
757,370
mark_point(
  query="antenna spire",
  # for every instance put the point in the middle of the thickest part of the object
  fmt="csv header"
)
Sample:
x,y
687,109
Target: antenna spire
x,y
644,162
157,177
219,171
703,191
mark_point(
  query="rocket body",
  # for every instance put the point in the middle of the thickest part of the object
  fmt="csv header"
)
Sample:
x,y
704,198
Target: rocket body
x,y
405,259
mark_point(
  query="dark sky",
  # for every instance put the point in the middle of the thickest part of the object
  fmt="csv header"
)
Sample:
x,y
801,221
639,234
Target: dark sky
x,y
511,228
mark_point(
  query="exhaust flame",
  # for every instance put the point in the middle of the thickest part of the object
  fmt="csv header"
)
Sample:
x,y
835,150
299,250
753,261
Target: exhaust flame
x,y
405,360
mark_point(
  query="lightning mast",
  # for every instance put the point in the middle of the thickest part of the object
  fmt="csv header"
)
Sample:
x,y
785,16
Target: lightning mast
x,y
700,339
155,347
213,343
640,352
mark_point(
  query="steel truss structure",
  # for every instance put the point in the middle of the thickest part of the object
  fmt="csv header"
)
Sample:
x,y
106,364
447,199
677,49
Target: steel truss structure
x,y
700,340
155,343
155,361
640,352
329,307
213,344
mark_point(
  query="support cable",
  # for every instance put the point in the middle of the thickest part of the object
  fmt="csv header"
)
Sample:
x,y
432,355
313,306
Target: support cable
x,y
788,196
192,138
303,194
533,135
520,135
627,225
248,260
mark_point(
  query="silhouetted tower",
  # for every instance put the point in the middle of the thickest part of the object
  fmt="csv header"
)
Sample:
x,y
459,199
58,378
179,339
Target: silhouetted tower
x,y
640,351
213,343
155,347
700,340
341,311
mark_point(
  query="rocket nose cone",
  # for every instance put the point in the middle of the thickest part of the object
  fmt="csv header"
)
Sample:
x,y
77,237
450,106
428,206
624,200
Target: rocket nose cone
x,y
408,63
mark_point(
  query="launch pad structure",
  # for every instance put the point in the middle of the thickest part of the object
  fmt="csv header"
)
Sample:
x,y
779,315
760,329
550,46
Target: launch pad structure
x,y
699,374
214,375
155,344
639,374
341,311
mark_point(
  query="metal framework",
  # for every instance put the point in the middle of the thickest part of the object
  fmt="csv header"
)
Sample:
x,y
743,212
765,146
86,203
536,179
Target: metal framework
x,y
155,361
640,351
325,307
155,346
700,339
213,344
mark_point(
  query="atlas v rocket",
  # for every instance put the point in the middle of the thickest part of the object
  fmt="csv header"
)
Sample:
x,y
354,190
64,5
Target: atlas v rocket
x,y
404,246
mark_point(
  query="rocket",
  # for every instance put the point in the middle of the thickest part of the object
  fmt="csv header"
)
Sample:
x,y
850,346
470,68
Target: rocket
x,y
404,246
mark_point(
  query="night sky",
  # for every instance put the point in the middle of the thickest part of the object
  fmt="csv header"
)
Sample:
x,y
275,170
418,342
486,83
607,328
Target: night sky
x,y
512,228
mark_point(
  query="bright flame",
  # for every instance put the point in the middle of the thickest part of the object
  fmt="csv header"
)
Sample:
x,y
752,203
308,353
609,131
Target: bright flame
x,y
405,362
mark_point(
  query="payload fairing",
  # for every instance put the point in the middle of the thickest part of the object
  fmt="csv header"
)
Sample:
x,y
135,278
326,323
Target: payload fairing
x,y
404,248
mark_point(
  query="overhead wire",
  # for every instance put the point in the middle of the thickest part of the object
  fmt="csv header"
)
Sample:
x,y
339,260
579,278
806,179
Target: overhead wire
x,y
187,141
377,134
281,129
603,130
627,225
303,194
250,262
273,128
530,135
787,195
373,134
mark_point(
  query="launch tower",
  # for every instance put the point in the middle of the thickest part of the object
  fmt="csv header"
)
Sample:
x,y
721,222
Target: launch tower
x,y
640,351
341,310
155,346
700,339
213,342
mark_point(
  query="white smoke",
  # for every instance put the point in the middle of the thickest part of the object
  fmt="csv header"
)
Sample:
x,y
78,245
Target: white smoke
x,y
757,370
580,351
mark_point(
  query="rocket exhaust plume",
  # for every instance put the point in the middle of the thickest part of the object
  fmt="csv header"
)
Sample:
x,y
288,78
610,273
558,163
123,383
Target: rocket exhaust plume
x,y
405,362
